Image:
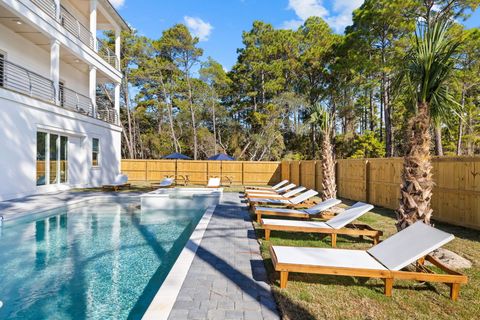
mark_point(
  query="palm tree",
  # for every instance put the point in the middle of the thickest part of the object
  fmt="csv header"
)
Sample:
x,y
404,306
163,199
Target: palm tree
x,y
321,118
428,66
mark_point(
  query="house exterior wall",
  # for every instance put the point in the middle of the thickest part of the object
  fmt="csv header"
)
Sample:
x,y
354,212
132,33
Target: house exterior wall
x,y
22,117
68,60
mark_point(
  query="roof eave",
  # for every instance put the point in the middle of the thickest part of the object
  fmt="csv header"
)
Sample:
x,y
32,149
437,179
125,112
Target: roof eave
x,y
115,15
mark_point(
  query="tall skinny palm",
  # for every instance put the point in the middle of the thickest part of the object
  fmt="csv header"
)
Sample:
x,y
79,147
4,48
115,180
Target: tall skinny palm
x,y
321,118
428,67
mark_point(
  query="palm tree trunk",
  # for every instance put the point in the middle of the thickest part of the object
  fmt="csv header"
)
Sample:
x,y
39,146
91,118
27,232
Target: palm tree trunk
x,y
329,186
417,182
438,140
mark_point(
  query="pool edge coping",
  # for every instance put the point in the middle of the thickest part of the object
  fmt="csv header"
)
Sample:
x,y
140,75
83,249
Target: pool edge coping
x,y
166,296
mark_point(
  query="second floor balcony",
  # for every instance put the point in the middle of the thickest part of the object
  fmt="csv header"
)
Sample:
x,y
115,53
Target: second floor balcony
x,y
16,78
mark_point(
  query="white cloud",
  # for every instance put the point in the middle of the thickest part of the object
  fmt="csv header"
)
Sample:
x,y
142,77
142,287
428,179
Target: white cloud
x,y
291,24
117,3
198,27
338,16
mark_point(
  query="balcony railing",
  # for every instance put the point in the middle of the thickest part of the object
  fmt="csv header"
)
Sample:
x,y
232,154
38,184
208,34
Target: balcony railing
x,y
75,101
78,30
16,78
106,113
47,6
107,54
19,79
69,22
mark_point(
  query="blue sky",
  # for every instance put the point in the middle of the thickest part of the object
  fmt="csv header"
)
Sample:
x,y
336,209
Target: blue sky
x,y
219,23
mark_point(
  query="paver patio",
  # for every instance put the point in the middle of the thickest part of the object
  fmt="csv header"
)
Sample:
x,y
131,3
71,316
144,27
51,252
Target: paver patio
x,y
227,279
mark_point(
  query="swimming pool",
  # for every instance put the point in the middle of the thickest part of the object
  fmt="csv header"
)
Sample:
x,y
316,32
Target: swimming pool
x,y
100,260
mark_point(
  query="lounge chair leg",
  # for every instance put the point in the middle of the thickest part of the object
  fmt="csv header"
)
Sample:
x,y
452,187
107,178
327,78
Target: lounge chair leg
x,y
283,279
333,236
267,234
454,291
259,218
388,286
375,240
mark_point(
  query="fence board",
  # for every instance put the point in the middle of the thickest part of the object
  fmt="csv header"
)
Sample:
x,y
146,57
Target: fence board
x,y
351,179
307,174
295,172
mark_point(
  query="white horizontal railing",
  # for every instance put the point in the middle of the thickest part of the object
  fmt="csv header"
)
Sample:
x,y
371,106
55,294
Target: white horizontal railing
x,y
19,79
78,30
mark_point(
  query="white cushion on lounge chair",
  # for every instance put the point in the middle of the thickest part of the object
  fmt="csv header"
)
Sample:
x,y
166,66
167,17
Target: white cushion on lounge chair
x,y
304,196
296,223
273,188
322,206
408,245
349,215
281,183
335,258
213,182
298,199
281,210
279,196
337,222
283,189
166,182
270,200
294,192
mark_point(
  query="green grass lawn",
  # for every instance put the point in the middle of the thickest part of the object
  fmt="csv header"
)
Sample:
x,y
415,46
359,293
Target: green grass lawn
x,y
336,297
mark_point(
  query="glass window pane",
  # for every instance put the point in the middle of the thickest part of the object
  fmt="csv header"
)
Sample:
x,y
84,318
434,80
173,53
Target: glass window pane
x,y
53,158
95,151
63,159
41,157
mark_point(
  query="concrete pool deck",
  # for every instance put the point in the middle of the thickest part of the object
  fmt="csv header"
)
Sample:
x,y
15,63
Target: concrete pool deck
x,y
227,278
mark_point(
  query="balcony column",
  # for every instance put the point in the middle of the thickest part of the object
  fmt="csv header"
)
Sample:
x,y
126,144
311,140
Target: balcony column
x,y
117,99
93,22
118,46
92,89
55,67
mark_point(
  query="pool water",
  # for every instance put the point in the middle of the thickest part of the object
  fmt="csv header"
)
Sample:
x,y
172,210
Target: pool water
x,y
98,261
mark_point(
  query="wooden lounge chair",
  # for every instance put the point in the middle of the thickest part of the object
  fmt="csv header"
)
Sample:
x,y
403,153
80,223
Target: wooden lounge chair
x,y
286,195
313,211
213,183
277,191
340,224
165,183
385,261
275,187
295,202
120,182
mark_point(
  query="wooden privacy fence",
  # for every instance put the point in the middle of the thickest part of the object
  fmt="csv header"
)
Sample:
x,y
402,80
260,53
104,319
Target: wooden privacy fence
x,y
240,172
456,195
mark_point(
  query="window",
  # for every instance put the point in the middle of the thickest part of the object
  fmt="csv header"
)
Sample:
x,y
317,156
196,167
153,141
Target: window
x,y
41,158
63,159
95,152
52,159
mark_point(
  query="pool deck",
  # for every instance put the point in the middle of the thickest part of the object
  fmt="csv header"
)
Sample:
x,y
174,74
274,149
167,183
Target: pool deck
x,y
227,278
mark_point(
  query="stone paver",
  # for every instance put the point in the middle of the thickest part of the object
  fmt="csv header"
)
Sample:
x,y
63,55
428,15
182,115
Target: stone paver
x,y
227,278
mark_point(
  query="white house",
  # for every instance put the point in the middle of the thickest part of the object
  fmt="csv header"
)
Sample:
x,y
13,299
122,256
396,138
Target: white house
x,y
55,132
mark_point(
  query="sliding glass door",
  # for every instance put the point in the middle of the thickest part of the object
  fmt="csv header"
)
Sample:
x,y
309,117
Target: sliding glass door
x,y
52,158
